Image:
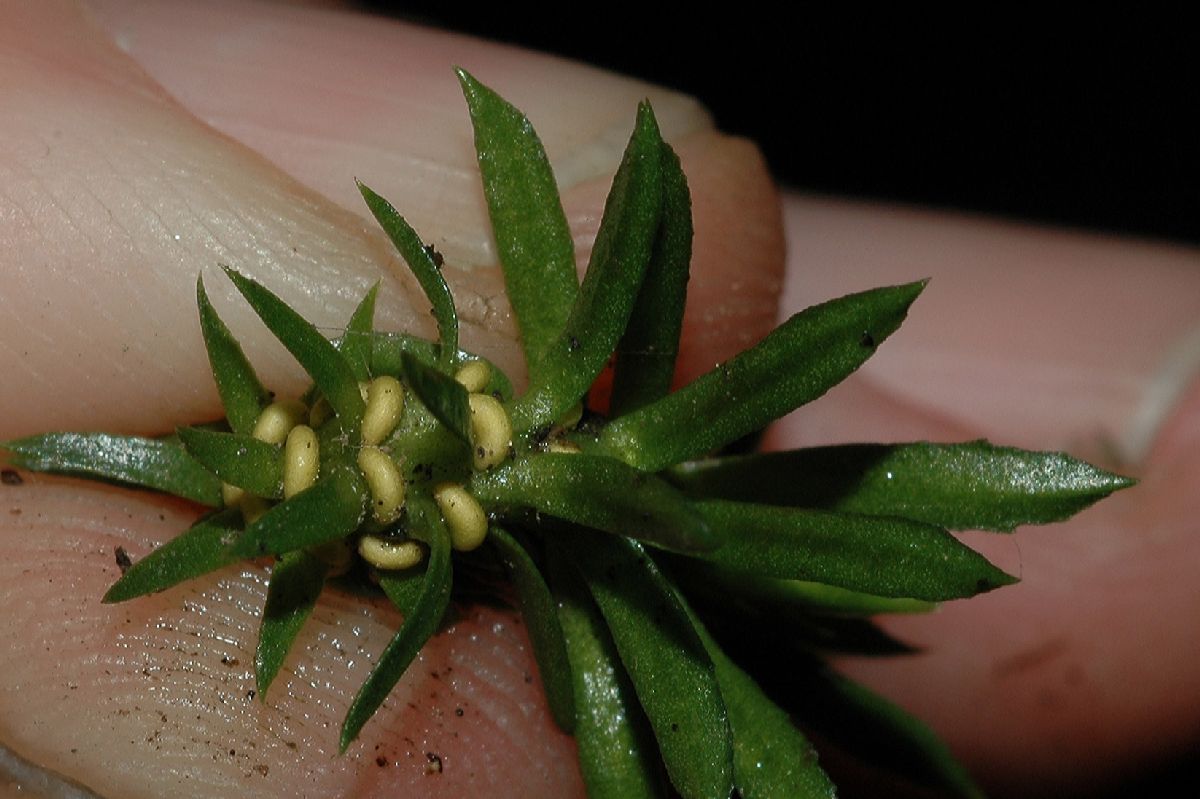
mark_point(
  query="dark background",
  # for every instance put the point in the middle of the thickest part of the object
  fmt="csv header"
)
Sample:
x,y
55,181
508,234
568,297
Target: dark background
x,y
1083,123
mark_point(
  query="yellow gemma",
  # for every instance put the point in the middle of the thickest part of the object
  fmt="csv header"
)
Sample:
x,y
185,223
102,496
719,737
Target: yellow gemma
x,y
385,481
277,420
385,404
300,460
384,554
474,376
491,431
464,516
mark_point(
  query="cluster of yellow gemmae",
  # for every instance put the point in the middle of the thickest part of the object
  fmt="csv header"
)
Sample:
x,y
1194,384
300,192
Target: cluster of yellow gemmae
x,y
292,424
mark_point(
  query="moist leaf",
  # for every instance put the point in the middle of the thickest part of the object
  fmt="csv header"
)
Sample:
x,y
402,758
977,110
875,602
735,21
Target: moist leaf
x,y
317,354
541,620
597,492
533,240
618,263
666,661
770,756
796,363
242,395
145,462
617,753
202,548
424,268
645,363
968,486
296,581
239,460
877,555
355,344
389,348
418,627
328,510
444,396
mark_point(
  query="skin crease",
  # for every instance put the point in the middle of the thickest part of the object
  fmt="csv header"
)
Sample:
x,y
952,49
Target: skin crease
x,y
1054,669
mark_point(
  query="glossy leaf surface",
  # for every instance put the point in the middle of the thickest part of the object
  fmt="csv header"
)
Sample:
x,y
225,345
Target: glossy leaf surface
x,y
970,486
666,661
242,395
424,267
317,354
388,350
876,555
615,271
771,758
239,460
796,363
444,396
146,462
296,581
418,627
331,509
532,238
597,492
202,548
617,753
645,363
541,620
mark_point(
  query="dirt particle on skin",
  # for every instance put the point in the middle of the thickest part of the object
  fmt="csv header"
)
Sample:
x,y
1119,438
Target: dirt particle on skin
x,y
123,559
434,764
435,256
251,694
381,761
228,661
10,477
458,711
263,769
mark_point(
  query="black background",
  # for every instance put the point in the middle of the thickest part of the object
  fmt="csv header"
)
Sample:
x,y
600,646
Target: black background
x,y
1084,123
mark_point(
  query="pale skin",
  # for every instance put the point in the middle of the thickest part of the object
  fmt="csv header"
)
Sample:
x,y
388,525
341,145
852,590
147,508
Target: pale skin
x,y
233,136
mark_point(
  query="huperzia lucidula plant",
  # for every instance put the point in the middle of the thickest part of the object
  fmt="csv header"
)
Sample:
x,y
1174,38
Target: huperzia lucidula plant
x,y
678,601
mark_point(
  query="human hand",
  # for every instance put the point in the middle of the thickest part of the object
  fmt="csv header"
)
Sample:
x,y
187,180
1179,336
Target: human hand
x,y
170,377
115,196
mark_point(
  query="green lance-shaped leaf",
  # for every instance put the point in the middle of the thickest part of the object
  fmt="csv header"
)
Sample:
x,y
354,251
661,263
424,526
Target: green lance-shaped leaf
x,y
796,363
727,602
876,555
532,237
666,661
969,486
242,395
771,758
425,269
646,354
389,349
793,597
615,272
296,581
146,462
239,460
617,753
863,723
597,492
330,509
355,344
444,396
419,626
541,620
202,548
317,354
